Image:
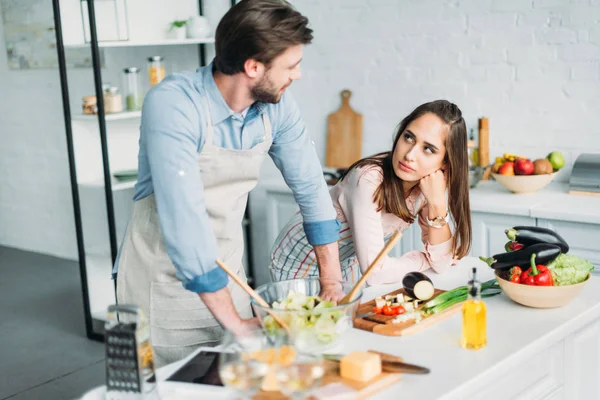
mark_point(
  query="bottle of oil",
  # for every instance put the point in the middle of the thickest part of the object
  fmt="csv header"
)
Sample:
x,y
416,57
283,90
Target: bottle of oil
x,y
474,317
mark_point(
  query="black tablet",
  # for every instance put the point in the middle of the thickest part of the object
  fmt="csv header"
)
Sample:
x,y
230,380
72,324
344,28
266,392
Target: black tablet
x,y
203,369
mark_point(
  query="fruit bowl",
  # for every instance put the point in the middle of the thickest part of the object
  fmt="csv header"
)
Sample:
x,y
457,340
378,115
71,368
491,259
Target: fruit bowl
x,y
524,183
540,296
312,330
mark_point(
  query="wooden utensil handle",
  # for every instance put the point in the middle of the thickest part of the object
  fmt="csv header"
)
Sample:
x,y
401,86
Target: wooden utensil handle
x,y
386,249
243,284
254,295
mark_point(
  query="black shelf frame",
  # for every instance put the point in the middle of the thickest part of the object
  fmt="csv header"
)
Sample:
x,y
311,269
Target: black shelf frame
x,y
93,328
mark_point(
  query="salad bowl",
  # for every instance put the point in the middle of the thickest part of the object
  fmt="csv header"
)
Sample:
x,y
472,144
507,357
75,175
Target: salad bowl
x,y
314,324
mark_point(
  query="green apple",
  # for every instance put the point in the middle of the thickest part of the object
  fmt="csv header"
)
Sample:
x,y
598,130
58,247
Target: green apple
x,y
556,159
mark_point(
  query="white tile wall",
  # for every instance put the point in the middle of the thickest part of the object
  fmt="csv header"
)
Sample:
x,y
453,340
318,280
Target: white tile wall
x,y
531,66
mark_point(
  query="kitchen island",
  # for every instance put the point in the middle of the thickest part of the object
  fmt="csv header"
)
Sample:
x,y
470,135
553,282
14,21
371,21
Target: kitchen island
x,y
531,353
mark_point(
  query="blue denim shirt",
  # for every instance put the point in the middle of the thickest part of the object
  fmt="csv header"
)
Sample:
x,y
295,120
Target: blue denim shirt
x,y
172,134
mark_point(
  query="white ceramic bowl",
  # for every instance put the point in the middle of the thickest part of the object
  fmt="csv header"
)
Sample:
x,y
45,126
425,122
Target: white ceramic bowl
x,y
524,183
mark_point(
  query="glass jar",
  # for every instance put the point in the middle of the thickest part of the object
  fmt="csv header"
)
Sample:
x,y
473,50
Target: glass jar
x,y
89,105
133,92
113,102
156,69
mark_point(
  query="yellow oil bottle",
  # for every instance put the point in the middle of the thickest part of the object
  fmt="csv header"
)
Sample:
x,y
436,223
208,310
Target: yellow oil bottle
x,y
474,335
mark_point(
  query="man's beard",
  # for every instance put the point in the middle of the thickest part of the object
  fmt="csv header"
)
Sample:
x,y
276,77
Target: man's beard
x,y
264,91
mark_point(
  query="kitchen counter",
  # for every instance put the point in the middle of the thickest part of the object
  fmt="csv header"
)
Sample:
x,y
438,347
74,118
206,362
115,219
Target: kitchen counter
x,y
531,353
552,202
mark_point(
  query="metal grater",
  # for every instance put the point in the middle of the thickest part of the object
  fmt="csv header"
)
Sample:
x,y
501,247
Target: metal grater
x,y
129,358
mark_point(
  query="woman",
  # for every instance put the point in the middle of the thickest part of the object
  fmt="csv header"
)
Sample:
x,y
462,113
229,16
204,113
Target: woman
x,y
381,194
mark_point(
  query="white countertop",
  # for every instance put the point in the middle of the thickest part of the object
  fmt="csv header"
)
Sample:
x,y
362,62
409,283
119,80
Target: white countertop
x,y
515,333
552,202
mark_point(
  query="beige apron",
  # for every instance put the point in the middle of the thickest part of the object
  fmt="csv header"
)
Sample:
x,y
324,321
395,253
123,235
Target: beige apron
x,y
179,321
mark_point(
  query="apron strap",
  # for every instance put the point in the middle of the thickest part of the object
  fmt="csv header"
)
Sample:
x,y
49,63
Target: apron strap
x,y
209,125
268,129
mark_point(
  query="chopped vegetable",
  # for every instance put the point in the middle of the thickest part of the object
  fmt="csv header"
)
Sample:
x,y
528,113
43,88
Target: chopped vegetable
x,y
568,269
311,316
418,285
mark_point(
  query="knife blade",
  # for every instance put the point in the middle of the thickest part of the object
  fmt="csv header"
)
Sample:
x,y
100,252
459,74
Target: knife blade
x,y
365,315
388,366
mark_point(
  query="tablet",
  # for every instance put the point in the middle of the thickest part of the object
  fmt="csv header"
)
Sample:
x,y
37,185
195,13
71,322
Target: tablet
x,y
203,369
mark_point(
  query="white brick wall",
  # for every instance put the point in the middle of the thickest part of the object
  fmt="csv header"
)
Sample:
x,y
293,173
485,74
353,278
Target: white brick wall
x,y
531,66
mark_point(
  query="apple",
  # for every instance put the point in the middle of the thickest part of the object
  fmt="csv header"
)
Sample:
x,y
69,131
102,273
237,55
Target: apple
x,y
523,166
508,168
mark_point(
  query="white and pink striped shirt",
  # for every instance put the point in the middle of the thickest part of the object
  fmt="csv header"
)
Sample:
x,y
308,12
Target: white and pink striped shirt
x,y
363,233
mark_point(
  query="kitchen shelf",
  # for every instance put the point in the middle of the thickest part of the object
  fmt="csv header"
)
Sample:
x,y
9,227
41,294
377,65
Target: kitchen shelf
x,y
109,117
116,184
153,42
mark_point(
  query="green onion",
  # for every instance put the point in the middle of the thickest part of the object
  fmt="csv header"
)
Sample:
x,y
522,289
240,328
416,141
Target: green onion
x,y
458,295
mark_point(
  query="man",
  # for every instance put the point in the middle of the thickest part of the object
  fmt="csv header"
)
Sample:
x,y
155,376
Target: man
x,y
203,138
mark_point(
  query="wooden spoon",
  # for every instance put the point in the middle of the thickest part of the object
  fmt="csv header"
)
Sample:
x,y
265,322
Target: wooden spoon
x,y
386,249
253,294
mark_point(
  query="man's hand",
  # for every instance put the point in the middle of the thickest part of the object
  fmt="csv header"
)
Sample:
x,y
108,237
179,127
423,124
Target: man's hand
x,y
245,326
331,290
330,271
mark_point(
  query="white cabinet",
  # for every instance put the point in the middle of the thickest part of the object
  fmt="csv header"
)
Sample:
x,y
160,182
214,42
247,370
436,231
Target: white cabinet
x,y
582,363
540,377
583,239
488,232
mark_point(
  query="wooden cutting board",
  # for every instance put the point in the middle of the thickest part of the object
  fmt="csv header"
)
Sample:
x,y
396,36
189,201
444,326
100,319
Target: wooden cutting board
x,y
383,324
344,135
332,375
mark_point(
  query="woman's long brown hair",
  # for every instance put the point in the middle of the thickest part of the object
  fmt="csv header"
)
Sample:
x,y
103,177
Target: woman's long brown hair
x,y
390,195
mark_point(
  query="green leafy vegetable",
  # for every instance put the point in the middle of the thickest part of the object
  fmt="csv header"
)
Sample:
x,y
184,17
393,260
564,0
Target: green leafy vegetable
x,y
568,269
309,316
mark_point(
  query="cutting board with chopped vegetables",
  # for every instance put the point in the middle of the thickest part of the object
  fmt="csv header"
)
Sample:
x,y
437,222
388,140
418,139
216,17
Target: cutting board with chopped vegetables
x,y
411,321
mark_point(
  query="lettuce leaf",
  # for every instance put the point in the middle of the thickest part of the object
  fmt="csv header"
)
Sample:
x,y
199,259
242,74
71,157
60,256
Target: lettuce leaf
x,y
568,269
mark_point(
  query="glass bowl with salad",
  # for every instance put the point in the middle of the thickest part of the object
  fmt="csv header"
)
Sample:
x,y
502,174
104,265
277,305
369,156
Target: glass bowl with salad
x,y
315,324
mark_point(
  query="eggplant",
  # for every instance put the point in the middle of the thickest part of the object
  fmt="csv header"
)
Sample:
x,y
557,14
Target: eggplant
x,y
418,286
528,235
544,253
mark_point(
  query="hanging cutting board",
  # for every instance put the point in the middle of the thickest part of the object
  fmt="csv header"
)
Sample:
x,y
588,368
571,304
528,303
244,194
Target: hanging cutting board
x,y
344,135
383,324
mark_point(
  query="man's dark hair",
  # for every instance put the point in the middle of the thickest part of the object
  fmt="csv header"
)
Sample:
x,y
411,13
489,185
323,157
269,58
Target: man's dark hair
x,y
260,30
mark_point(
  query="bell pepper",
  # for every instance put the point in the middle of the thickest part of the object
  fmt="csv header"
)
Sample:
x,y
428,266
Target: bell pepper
x,y
515,274
513,246
537,275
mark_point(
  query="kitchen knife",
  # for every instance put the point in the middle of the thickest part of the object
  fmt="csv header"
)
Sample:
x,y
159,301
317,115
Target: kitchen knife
x,y
365,315
388,366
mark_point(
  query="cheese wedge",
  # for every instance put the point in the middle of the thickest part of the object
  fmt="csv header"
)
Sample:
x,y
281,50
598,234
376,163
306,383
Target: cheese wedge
x,y
360,366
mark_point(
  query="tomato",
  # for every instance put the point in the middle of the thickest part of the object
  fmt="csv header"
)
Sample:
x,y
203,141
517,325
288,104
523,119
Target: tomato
x,y
387,310
377,310
399,310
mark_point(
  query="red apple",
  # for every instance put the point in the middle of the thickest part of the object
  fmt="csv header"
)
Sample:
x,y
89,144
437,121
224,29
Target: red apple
x,y
524,166
508,168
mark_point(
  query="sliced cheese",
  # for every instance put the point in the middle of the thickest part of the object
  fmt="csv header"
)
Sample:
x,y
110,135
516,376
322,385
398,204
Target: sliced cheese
x,y
360,366
379,302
